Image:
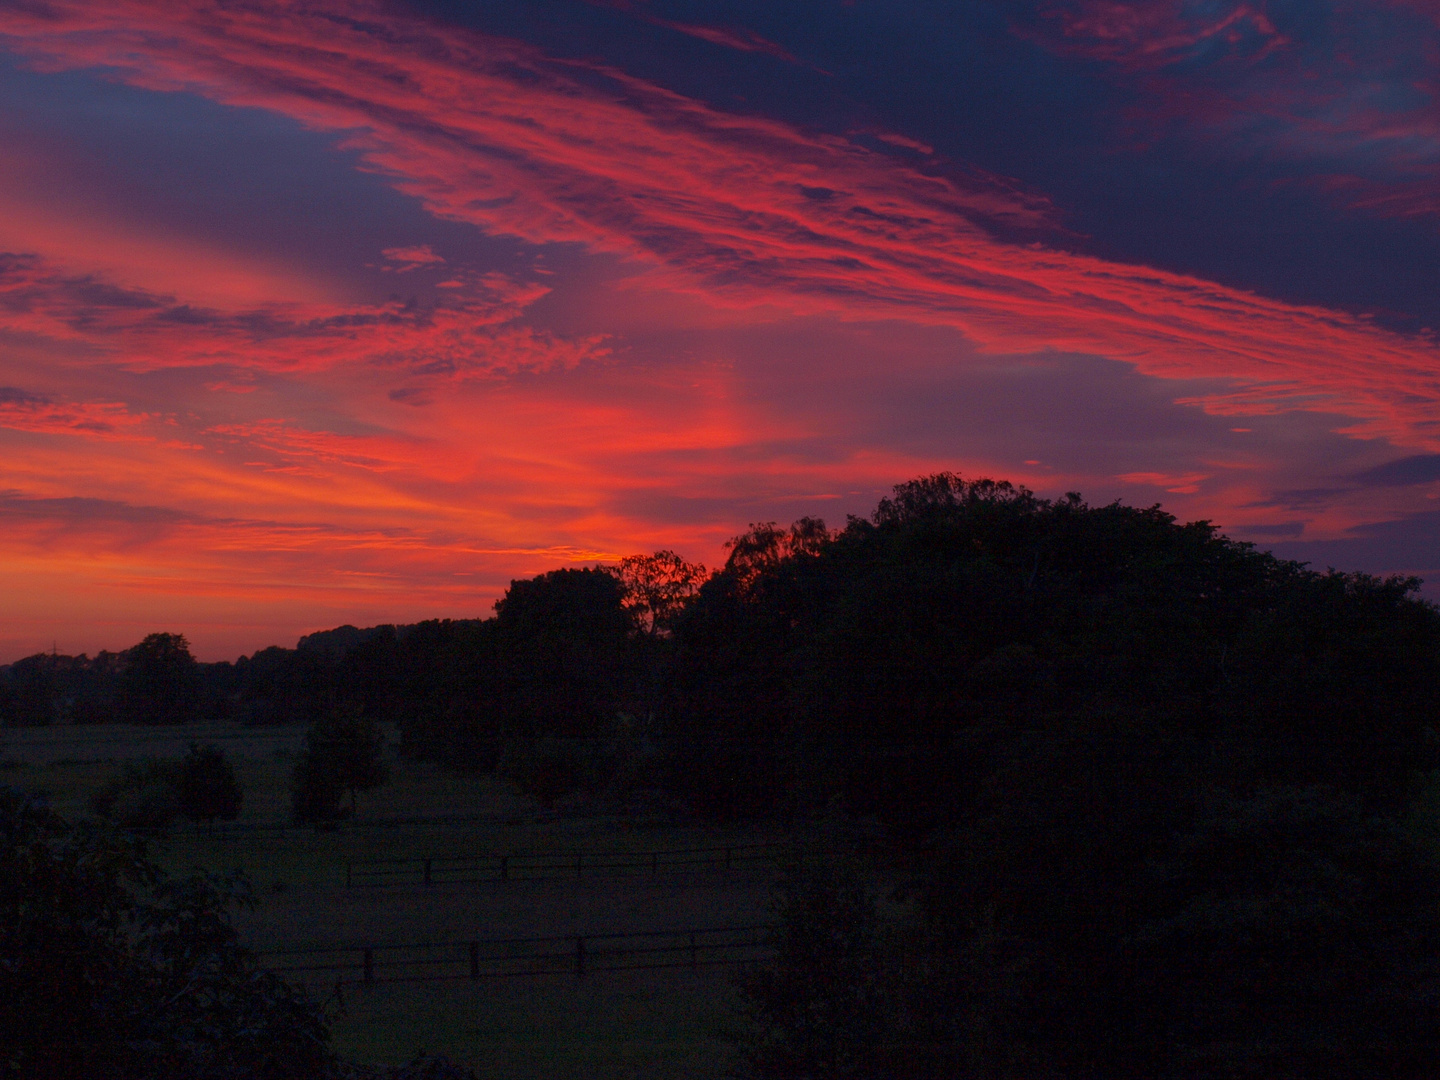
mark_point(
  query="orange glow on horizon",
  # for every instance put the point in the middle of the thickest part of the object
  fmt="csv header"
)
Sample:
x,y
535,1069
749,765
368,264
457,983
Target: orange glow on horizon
x,y
256,445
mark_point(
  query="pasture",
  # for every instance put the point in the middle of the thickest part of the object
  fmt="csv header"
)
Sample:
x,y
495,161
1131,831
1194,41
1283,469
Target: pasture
x,y
666,1023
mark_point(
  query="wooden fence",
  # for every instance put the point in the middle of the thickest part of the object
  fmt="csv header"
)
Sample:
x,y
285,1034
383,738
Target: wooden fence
x,y
454,869
574,954
236,830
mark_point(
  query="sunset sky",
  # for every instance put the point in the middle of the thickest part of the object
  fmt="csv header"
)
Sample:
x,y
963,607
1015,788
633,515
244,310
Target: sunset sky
x,y
337,311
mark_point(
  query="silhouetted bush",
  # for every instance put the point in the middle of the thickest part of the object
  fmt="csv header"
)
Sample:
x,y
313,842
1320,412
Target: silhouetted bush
x,y
145,796
110,968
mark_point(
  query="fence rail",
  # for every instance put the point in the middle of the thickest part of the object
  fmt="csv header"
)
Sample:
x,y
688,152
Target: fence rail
x,y
233,830
456,869
572,954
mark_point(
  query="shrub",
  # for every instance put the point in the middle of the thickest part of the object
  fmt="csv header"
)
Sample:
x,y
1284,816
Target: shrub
x,y
110,968
549,770
144,796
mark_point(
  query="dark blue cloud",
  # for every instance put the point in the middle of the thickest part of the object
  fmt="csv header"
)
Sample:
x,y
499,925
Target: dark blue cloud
x,y
974,82
1408,545
1416,469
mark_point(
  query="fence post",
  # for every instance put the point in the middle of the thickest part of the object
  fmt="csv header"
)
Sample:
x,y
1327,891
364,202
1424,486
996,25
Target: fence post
x,y
579,957
504,867
474,959
427,871
578,857
694,952
369,966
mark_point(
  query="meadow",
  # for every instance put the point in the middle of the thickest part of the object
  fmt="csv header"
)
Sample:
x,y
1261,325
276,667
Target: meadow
x,y
619,1024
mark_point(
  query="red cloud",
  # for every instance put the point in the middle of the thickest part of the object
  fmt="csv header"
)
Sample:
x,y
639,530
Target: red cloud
x,y
742,210
473,332
20,411
410,258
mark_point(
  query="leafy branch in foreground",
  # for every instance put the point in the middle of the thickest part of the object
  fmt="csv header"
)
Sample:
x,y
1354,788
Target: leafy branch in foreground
x,y
111,968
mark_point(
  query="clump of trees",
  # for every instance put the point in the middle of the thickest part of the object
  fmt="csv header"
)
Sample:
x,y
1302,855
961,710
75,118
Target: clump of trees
x,y
201,787
1155,802
1151,802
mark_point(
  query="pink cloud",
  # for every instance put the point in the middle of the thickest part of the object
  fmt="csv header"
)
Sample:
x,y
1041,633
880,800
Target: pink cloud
x,y
21,411
1186,484
411,258
742,211
472,332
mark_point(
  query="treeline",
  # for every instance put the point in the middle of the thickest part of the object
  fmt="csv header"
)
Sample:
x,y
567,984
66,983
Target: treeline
x,y
1152,803
843,665
158,681
888,665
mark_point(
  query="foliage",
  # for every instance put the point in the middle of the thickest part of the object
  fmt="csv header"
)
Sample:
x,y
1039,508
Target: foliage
x,y
656,589
144,796
344,752
110,968
207,785
827,1007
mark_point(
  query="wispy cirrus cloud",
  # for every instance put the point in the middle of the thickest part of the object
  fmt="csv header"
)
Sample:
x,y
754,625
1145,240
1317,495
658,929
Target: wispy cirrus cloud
x,y
1348,90
745,211
22,411
470,331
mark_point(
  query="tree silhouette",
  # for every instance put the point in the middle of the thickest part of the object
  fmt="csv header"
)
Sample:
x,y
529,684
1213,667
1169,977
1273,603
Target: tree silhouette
x,y
657,587
344,751
207,786
158,684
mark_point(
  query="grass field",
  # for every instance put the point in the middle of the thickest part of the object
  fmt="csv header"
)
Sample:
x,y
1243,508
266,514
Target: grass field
x,y
652,1025
633,1024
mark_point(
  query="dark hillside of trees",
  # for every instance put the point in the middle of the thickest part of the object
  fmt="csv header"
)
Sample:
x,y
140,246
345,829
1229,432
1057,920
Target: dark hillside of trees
x,y
1154,803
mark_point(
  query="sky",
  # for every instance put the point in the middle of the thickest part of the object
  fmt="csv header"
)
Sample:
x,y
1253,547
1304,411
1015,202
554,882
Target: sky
x,y
332,311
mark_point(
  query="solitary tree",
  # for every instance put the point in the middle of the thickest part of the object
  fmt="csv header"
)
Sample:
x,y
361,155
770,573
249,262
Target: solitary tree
x,y
208,788
344,751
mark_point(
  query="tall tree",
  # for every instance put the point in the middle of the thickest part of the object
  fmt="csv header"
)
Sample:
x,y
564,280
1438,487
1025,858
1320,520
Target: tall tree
x,y
158,683
344,752
207,785
657,587
563,652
